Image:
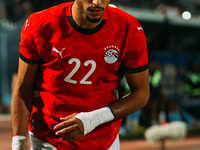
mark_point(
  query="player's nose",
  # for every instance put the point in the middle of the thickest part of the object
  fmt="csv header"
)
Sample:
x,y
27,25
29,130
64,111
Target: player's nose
x,y
96,2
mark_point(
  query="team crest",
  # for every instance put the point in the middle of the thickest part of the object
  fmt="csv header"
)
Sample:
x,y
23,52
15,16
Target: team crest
x,y
111,55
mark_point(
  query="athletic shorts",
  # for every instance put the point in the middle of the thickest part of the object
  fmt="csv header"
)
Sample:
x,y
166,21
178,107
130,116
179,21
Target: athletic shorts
x,y
39,144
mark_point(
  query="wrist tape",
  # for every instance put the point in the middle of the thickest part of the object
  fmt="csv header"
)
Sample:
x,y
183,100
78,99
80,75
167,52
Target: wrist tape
x,y
94,118
18,142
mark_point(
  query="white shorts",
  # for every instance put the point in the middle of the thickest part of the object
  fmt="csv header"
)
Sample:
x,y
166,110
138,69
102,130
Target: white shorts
x,y
38,144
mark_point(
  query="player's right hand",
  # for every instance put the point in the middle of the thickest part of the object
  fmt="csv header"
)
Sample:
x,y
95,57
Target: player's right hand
x,y
70,128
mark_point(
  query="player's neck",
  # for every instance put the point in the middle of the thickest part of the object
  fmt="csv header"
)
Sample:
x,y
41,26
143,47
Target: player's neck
x,y
81,19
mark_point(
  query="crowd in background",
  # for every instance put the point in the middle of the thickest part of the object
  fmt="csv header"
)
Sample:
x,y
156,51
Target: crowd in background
x,y
194,4
164,107
15,10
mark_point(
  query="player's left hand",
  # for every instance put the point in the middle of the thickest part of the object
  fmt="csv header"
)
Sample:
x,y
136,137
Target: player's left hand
x,y
70,128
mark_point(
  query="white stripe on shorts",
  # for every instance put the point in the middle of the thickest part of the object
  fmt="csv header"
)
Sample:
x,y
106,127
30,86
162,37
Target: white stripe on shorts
x,y
116,144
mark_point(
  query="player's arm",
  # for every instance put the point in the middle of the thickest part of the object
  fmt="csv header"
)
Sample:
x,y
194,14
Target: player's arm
x,y
21,103
138,98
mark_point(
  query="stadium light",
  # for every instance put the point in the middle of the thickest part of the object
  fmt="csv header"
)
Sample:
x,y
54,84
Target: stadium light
x,y
112,5
186,15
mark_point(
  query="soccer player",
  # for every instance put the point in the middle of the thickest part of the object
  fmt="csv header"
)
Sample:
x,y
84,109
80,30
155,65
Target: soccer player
x,y
72,57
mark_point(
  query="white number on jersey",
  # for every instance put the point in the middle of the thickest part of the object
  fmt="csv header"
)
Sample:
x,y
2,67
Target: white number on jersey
x,y
77,66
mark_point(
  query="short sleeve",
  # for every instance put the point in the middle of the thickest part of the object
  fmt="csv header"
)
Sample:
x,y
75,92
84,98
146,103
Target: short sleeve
x,y
28,43
136,57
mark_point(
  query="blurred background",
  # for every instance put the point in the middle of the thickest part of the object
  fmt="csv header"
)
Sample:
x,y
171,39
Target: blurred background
x,y
172,28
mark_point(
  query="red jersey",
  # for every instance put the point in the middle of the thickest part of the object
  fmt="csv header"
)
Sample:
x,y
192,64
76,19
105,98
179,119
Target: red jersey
x,y
80,69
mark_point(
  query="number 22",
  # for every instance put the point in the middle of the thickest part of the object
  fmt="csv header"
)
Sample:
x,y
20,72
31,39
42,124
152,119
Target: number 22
x,y
77,66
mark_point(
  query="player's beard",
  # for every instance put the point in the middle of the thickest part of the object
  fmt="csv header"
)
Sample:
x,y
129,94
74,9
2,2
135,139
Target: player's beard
x,y
93,20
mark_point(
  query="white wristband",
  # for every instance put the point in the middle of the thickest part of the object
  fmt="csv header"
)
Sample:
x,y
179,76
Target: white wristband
x,y
18,142
94,118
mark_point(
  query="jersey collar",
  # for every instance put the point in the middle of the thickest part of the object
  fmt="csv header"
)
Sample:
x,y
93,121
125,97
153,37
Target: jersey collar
x,y
85,31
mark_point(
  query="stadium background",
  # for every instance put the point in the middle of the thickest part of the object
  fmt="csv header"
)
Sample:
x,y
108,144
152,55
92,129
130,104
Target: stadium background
x,y
172,28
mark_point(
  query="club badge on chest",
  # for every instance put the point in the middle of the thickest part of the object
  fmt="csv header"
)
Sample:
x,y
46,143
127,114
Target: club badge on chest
x,y
111,54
